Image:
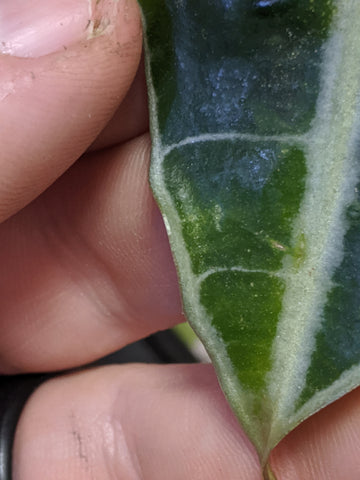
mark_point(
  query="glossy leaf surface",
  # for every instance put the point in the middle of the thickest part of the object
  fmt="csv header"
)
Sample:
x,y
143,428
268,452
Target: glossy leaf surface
x,y
255,165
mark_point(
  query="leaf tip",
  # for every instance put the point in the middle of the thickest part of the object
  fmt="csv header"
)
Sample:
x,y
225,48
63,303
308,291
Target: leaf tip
x,y
268,474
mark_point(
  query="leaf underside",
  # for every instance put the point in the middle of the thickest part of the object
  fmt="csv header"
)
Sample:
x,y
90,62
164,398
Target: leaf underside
x,y
255,165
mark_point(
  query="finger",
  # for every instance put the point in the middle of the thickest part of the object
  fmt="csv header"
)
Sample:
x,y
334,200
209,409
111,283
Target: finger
x,y
131,118
325,447
54,105
155,423
86,268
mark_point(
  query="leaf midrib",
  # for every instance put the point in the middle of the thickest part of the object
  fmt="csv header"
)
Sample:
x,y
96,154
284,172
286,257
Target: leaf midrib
x,y
330,186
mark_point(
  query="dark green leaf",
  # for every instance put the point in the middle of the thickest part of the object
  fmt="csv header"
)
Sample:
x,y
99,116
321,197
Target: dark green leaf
x,y
255,165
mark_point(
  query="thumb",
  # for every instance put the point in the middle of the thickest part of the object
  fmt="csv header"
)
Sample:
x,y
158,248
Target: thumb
x,y
65,67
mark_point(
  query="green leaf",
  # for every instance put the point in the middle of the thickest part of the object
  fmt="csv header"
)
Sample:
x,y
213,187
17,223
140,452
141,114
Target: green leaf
x,y
255,165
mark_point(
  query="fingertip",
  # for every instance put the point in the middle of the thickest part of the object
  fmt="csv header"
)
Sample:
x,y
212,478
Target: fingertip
x,y
325,446
41,28
131,119
55,105
133,422
89,264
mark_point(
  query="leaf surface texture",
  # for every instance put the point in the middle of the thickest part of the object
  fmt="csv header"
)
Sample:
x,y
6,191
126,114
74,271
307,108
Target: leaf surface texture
x,y
255,165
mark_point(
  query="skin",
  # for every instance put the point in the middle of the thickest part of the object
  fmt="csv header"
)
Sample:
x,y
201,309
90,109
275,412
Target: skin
x,y
86,269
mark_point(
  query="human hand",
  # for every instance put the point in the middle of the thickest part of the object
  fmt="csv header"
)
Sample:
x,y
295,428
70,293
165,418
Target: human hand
x,y
86,269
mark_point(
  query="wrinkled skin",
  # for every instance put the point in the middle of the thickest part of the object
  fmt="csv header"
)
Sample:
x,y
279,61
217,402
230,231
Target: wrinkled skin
x,y
86,269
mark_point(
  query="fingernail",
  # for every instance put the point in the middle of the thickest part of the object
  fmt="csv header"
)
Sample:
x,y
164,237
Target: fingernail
x,y
32,28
